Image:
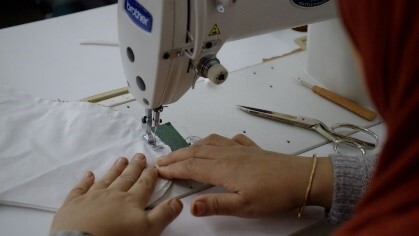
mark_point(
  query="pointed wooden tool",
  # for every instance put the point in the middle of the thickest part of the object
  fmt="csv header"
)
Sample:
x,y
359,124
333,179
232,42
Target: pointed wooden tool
x,y
341,101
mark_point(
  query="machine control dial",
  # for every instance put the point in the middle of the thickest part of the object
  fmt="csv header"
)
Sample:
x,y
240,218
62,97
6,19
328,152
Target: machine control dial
x,y
211,68
217,74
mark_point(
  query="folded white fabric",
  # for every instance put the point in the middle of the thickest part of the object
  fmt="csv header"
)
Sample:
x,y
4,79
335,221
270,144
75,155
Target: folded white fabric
x,y
47,146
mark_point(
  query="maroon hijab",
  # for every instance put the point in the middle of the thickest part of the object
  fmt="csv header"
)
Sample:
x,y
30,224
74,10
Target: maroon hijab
x,y
386,35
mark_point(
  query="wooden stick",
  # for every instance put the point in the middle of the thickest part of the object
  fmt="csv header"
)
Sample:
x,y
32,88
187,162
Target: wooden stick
x,y
341,101
345,102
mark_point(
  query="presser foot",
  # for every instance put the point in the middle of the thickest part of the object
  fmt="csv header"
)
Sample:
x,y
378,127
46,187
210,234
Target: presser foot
x,y
151,122
151,140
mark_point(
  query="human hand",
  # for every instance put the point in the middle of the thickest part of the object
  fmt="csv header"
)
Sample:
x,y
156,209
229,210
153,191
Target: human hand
x,y
115,204
259,183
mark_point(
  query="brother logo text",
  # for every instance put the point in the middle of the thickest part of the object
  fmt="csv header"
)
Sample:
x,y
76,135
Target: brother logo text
x,y
139,14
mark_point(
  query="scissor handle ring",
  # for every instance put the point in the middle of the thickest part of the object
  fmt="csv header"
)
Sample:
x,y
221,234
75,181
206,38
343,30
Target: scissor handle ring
x,y
339,141
350,142
358,128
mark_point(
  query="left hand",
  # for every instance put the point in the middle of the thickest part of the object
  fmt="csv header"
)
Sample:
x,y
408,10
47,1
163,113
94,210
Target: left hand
x,y
115,204
259,183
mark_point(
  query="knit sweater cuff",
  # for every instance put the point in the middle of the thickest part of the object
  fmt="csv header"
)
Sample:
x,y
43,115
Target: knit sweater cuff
x,y
351,177
71,233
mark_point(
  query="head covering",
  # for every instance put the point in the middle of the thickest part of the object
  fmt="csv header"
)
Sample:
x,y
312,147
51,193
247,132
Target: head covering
x,y
386,36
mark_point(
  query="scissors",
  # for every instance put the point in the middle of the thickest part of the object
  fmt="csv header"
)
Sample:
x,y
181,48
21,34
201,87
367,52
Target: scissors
x,y
318,126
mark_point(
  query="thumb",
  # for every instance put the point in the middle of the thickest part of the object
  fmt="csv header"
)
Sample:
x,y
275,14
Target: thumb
x,y
217,204
164,213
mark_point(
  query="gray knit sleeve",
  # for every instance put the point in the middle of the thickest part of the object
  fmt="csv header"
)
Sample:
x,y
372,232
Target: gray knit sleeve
x,y
351,177
71,233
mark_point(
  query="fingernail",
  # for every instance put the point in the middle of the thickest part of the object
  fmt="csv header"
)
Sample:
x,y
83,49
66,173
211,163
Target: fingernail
x,y
121,161
88,175
198,208
138,157
176,205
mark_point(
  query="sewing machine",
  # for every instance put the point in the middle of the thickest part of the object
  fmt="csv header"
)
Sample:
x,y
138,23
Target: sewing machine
x,y
167,45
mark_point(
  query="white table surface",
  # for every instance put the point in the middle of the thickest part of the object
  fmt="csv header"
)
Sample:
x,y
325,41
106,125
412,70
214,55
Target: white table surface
x,y
46,59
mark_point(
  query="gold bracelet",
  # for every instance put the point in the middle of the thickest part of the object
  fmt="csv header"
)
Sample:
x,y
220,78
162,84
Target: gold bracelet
x,y
313,169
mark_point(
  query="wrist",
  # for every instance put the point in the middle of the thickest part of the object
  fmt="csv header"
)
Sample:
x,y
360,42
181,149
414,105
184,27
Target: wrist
x,y
321,192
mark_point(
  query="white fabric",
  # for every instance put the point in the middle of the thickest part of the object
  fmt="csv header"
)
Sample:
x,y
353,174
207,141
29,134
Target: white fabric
x,y
46,147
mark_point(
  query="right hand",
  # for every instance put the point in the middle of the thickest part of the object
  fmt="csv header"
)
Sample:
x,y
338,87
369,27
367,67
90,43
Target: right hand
x,y
259,183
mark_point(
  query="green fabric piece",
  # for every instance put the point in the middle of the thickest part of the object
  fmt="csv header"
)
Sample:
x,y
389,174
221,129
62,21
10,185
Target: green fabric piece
x,y
169,135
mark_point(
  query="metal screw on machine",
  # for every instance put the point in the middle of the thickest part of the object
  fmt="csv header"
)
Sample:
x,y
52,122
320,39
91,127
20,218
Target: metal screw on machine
x,y
219,6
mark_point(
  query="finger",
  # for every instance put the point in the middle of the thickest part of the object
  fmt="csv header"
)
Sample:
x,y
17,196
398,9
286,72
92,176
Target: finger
x,y
112,174
218,204
144,186
216,140
82,187
178,155
164,213
194,151
130,174
243,140
202,170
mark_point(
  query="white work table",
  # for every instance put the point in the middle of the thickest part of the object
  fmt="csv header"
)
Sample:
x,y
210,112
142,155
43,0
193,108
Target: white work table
x,y
45,59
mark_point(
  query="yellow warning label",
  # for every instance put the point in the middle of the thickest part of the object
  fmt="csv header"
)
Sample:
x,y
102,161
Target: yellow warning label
x,y
214,31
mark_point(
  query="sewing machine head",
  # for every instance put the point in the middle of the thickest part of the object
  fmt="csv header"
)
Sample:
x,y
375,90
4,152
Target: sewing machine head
x,y
166,45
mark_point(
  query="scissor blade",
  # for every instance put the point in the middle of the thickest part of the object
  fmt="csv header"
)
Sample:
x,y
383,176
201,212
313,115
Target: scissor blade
x,y
289,119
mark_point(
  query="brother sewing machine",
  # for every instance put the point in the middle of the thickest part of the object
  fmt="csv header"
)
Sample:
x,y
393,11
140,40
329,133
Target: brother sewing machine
x,y
166,45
